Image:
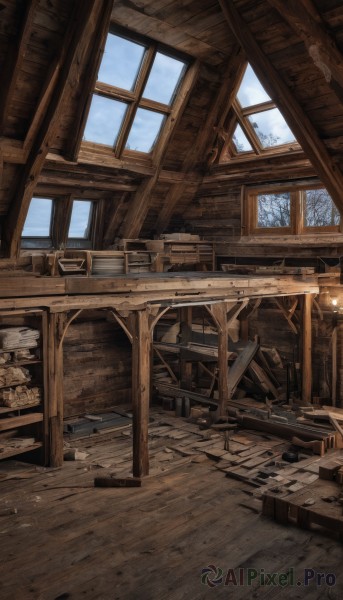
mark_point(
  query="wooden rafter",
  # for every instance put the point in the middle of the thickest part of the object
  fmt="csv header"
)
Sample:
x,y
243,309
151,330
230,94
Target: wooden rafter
x,y
140,205
284,98
16,55
47,132
205,138
90,80
305,20
112,224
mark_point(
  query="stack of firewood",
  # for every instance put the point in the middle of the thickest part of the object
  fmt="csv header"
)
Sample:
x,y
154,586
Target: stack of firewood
x,y
20,396
13,376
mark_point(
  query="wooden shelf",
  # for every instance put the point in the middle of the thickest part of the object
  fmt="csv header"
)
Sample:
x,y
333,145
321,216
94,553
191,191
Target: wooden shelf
x,y
13,422
7,409
14,385
28,420
21,363
12,451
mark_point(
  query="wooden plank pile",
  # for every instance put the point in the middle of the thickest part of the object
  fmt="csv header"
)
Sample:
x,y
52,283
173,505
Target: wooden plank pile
x,y
317,504
20,396
13,376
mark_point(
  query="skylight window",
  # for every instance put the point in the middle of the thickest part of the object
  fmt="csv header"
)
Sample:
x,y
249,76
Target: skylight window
x,y
251,91
164,79
271,128
121,62
144,130
240,140
38,220
257,123
134,94
104,120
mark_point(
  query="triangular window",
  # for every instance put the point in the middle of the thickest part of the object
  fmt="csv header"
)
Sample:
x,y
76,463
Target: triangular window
x,y
257,124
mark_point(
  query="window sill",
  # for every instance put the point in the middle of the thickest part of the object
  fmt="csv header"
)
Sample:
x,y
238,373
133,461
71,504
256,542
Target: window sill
x,y
315,239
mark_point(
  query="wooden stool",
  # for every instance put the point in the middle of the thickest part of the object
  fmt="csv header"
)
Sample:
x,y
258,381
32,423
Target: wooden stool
x,y
225,428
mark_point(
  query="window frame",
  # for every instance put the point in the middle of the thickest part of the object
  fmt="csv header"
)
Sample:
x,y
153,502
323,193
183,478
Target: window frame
x,y
297,208
82,242
40,241
134,98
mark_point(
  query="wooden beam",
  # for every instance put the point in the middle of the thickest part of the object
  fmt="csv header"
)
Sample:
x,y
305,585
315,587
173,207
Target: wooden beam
x,y
61,220
305,20
140,205
284,98
306,386
48,130
334,370
97,51
141,375
55,387
219,311
205,138
186,314
138,209
112,222
15,56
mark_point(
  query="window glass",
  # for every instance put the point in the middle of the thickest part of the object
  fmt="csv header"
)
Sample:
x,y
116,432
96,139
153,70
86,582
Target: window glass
x,y
319,209
271,128
121,62
240,140
80,219
251,91
38,220
164,78
144,131
274,210
120,89
104,120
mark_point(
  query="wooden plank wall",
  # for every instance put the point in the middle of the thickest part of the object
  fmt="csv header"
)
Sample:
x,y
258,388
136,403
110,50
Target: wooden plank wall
x,y
97,367
214,215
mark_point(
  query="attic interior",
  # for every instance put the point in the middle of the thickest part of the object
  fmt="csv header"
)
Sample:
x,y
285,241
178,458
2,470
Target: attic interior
x,y
171,296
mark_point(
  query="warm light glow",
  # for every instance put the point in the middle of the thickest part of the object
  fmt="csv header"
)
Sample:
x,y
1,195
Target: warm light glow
x,y
334,301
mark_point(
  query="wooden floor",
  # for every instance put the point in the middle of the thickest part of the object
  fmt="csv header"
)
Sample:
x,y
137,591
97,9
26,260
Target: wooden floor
x,y
61,538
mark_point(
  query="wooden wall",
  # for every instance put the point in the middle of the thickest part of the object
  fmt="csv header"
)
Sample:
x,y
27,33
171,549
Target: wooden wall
x,y
97,366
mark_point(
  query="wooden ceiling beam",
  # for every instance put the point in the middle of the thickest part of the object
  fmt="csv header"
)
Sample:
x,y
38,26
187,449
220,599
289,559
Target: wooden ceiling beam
x,y
31,171
305,20
88,183
297,119
15,57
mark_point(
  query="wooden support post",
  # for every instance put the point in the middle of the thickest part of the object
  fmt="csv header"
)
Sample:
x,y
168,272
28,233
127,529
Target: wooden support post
x,y
55,385
141,372
307,349
219,311
186,336
244,326
334,367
